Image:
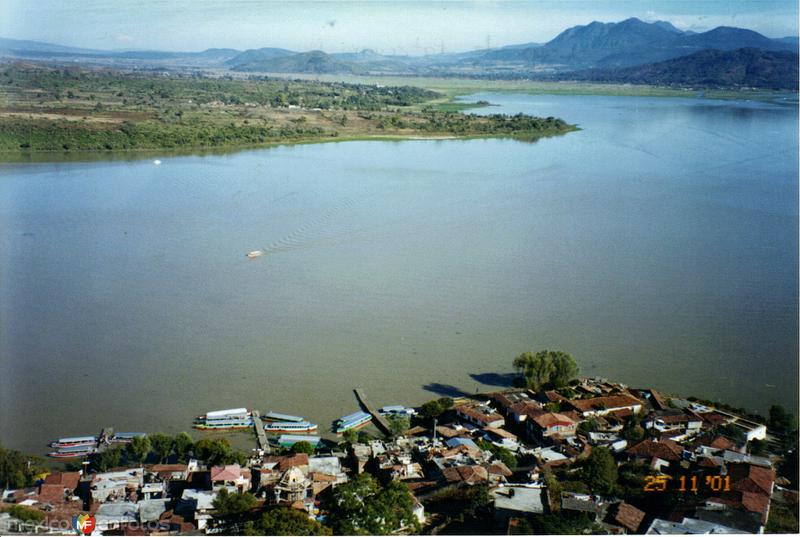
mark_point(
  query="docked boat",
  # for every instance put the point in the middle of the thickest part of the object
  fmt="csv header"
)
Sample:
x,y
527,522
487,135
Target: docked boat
x,y
277,416
125,438
73,452
290,427
255,253
234,418
397,410
74,442
288,440
352,421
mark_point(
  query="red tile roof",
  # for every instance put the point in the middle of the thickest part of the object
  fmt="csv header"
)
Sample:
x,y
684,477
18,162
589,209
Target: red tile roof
x,y
667,450
68,480
607,403
751,478
552,419
721,442
230,472
477,414
466,474
629,516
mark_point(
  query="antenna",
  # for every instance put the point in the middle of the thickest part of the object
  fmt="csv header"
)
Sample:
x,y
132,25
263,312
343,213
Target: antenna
x,y
488,41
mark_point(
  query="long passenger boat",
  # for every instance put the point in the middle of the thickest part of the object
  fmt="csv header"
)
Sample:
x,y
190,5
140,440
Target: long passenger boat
x,y
351,421
235,418
290,427
277,416
74,441
73,452
125,438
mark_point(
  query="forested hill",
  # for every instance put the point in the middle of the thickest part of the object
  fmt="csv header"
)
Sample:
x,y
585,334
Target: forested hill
x,y
745,67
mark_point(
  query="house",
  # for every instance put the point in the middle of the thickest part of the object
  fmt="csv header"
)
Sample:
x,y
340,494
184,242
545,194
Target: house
x,y
600,406
196,505
688,526
467,475
293,486
551,424
584,503
231,476
515,501
115,486
113,515
481,415
625,516
658,454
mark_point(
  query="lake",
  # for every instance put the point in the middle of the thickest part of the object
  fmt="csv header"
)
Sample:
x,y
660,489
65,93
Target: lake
x,y
658,245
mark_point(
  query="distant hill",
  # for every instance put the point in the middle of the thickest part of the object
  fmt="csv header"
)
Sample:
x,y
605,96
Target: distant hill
x,y
746,67
631,42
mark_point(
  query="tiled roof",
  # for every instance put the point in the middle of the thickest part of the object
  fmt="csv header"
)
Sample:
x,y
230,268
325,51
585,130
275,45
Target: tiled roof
x,y
600,403
482,414
498,468
502,433
230,472
629,516
667,450
466,474
68,480
721,442
551,419
751,478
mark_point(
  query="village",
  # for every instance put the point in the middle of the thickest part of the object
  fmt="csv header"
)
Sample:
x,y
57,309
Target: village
x,y
593,456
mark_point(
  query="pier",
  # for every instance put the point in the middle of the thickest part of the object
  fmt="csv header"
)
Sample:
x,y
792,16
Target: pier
x,y
379,420
263,443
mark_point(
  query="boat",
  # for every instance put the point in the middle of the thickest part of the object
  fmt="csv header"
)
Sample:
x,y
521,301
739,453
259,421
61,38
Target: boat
x,y
234,418
396,410
125,438
73,452
277,416
288,440
351,421
74,441
290,427
255,253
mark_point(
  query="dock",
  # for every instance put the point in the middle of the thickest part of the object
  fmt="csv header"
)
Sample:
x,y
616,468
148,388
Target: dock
x,y
379,420
263,443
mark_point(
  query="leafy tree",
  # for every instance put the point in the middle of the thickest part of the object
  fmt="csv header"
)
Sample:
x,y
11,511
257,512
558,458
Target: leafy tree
x,y
303,447
780,420
183,445
350,436
16,469
398,424
554,368
107,459
362,507
26,514
212,451
237,503
632,431
499,452
138,448
162,445
600,470
284,521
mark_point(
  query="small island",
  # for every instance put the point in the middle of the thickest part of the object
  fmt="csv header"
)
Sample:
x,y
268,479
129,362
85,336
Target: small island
x,y
554,454
79,109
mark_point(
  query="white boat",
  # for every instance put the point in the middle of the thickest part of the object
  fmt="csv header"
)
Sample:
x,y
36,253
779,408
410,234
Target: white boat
x,y
397,410
73,452
234,418
125,438
277,416
255,253
74,441
290,427
352,421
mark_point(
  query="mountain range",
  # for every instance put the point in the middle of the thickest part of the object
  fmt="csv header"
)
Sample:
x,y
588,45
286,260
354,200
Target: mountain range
x,y
597,51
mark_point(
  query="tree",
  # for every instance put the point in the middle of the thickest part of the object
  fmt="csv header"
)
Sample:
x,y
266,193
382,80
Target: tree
x,y
16,469
138,448
555,368
303,447
362,507
350,436
285,521
600,470
162,445
398,424
226,503
781,421
109,458
183,446
632,431
212,451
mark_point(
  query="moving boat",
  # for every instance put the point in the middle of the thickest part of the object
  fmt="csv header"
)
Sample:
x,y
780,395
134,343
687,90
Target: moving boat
x,y
290,427
234,418
277,416
351,421
255,253
74,441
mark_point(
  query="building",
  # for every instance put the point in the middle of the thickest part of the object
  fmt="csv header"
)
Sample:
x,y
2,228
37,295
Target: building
x,y
515,500
232,477
551,424
600,406
481,415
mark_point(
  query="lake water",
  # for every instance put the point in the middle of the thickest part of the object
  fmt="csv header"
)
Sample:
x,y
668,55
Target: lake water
x,y
658,245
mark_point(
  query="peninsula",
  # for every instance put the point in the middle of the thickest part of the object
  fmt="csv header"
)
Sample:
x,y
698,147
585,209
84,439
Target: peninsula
x,y
88,109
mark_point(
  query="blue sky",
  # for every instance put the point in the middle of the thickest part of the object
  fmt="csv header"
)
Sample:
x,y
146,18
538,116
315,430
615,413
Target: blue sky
x,y
406,27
